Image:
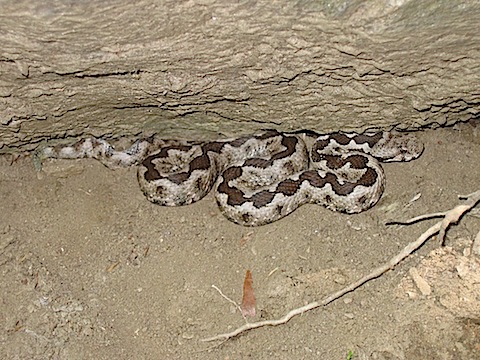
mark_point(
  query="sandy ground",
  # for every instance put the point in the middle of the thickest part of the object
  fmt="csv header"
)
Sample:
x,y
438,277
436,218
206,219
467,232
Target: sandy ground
x,y
92,270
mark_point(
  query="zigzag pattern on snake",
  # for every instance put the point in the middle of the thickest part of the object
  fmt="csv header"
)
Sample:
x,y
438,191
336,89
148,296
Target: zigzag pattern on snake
x,y
260,178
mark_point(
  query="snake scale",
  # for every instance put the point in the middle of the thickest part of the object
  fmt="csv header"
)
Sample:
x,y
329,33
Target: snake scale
x,y
260,178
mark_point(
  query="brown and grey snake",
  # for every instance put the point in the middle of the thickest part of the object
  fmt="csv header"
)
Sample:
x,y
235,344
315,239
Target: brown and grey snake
x,y
260,178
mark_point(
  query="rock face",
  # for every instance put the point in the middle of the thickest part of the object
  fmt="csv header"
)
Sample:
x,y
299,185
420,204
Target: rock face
x,y
205,68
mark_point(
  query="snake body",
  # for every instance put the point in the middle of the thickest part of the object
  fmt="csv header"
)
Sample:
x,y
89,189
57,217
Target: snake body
x,y
260,178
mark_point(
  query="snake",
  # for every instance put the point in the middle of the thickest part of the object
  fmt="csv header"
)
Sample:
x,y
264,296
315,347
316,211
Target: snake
x,y
259,178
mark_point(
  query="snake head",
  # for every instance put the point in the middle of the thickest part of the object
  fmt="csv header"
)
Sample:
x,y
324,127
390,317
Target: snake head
x,y
400,147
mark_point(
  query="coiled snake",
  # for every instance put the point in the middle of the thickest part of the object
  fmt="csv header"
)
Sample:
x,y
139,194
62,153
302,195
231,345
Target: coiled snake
x,y
260,178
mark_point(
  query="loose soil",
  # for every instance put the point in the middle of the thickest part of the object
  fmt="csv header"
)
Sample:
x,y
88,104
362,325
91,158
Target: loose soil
x,y
91,270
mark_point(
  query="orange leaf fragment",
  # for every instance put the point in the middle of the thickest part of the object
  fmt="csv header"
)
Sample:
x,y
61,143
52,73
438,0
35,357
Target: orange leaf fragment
x,y
248,301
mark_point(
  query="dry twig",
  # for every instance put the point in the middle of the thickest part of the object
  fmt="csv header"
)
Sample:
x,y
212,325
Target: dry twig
x,y
417,219
451,217
227,298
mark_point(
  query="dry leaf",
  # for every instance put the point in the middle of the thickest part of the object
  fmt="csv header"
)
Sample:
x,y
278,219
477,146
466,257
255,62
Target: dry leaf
x,y
248,300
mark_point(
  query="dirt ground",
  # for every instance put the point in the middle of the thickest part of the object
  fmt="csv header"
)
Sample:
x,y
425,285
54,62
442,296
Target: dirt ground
x,y
91,270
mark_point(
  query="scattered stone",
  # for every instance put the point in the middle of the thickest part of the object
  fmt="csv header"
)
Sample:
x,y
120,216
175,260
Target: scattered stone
x,y
422,285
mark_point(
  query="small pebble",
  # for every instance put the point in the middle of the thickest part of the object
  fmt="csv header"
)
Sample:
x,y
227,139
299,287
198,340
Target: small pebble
x,y
422,285
476,245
